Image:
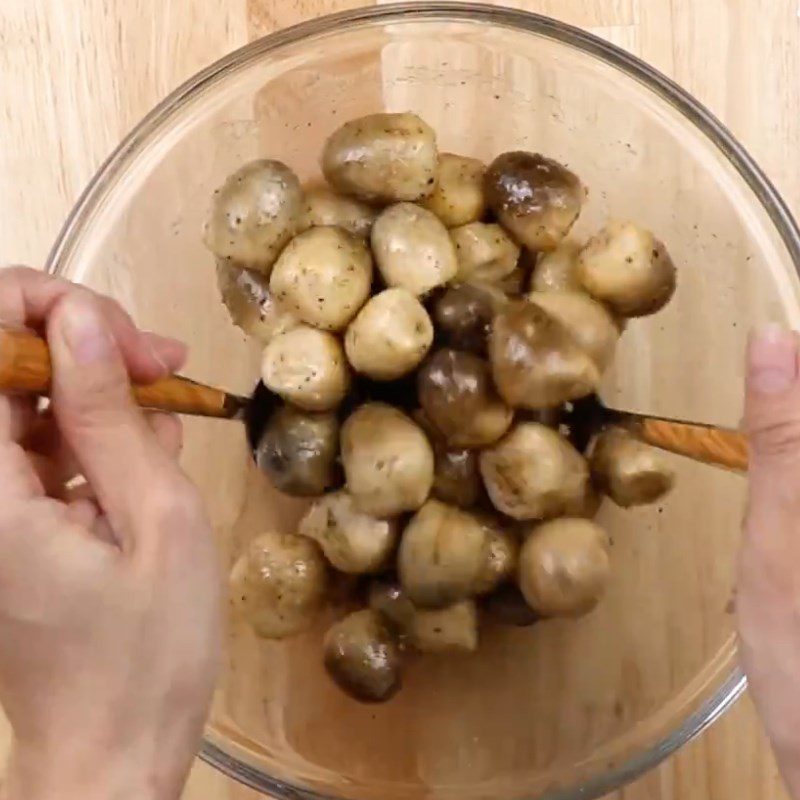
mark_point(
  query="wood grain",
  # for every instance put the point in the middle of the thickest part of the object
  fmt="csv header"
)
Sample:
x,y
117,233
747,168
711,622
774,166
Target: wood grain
x,y
25,368
710,445
75,76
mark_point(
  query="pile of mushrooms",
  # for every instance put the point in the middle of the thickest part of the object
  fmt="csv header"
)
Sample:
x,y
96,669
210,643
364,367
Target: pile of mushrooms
x,y
425,323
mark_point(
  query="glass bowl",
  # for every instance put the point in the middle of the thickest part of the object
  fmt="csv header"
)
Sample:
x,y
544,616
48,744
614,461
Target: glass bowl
x,y
565,709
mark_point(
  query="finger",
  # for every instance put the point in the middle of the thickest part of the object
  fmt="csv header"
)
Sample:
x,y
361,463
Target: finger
x,y
58,467
168,431
28,296
83,512
92,403
18,478
772,400
87,514
17,416
171,352
772,422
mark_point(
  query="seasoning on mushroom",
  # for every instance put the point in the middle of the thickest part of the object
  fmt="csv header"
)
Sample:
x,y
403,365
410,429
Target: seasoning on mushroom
x,y
535,473
625,266
387,459
254,214
353,542
279,584
382,158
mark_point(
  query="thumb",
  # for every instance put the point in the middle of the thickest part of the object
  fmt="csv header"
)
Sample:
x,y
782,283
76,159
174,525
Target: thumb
x,y
772,403
94,409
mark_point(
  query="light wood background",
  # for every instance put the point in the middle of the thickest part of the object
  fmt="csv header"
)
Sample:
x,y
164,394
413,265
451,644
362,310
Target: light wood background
x,y
75,76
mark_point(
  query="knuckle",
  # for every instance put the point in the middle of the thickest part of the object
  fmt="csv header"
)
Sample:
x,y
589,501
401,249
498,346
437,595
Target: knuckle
x,y
96,407
776,439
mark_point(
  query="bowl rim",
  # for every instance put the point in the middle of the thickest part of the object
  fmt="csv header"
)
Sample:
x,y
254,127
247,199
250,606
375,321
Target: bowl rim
x,y
525,21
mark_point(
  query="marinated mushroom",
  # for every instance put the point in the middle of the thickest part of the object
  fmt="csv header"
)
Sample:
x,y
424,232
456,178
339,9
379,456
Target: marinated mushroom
x,y
413,249
390,600
388,462
626,267
322,207
352,541
453,629
564,567
306,367
502,551
485,252
442,551
382,158
630,472
535,473
250,303
323,277
536,362
591,324
362,656
557,270
456,393
279,584
536,199
457,196
298,450
456,478
254,214
390,335
464,314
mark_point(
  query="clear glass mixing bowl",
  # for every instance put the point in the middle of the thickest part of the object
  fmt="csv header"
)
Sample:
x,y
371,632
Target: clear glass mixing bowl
x,y
564,709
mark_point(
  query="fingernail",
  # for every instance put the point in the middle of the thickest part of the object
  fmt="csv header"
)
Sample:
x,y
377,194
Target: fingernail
x,y
85,332
772,359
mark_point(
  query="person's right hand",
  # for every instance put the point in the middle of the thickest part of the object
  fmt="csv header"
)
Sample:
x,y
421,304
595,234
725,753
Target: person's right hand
x,y
768,591
109,593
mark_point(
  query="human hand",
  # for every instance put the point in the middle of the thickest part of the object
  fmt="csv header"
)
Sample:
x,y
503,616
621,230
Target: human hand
x,y
109,593
768,595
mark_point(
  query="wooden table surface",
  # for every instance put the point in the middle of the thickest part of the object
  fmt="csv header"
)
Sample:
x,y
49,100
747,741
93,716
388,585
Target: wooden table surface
x,y
75,76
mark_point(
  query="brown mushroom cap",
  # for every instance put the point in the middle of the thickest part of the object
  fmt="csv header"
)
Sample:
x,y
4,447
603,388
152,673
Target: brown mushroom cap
x,y
536,362
463,316
382,158
456,477
591,324
297,451
535,198
564,567
535,473
442,551
456,393
362,657
626,267
254,214
630,472
250,303
387,459
279,584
